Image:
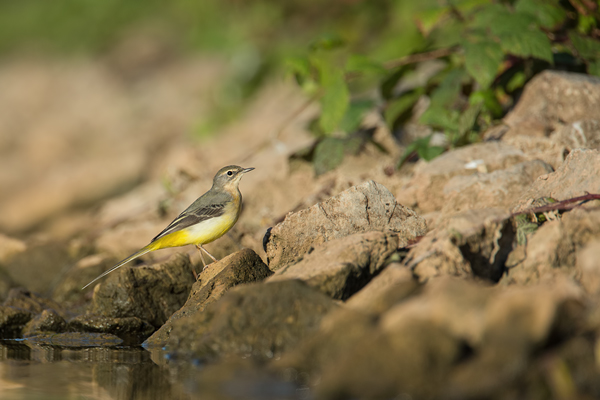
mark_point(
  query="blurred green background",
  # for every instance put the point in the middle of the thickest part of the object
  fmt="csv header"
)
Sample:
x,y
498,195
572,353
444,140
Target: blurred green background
x,y
349,55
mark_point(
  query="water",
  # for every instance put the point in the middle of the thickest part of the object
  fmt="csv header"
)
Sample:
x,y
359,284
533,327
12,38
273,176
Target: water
x,y
30,371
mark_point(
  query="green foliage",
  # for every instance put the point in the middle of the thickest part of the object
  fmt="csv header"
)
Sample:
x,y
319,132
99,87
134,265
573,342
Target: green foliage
x,y
336,96
527,224
490,50
423,149
328,152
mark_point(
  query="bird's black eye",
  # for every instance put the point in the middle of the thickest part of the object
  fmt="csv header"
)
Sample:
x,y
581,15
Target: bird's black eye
x,y
229,173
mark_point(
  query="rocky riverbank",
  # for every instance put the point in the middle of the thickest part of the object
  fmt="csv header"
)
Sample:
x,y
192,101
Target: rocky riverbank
x,y
364,282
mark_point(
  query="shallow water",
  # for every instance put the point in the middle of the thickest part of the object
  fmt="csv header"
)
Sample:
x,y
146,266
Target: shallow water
x,y
31,371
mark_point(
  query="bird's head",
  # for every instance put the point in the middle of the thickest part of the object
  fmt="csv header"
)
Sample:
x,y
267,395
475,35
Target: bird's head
x,y
229,176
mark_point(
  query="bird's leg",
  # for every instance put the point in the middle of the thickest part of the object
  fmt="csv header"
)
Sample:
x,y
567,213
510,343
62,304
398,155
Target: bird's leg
x,y
202,258
210,255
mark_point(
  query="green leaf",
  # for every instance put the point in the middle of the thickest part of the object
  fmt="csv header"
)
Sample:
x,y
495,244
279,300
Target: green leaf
x,y
528,43
548,13
587,48
298,65
441,112
398,108
466,122
364,65
507,22
594,68
586,23
327,41
448,34
329,153
519,33
442,118
516,81
428,19
482,61
422,148
466,7
488,99
430,152
490,15
525,227
448,91
336,97
355,114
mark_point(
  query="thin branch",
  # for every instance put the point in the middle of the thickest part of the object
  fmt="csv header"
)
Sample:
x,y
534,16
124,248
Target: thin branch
x,y
420,57
561,205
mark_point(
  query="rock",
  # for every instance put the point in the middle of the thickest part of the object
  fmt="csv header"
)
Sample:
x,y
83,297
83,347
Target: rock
x,y
132,330
576,177
582,134
517,323
245,266
75,339
47,321
32,302
394,284
342,266
413,360
587,265
259,319
494,189
38,267
431,177
553,249
424,346
553,98
68,290
151,293
6,284
353,355
574,360
12,321
9,247
471,243
363,208
539,148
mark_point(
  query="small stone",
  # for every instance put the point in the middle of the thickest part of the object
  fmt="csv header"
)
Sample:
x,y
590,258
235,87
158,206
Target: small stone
x,y
12,321
47,321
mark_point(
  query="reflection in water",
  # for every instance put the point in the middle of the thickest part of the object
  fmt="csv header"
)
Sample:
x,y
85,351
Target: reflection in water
x,y
32,371
46,372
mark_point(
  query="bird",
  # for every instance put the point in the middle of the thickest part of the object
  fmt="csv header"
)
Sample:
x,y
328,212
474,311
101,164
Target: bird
x,y
205,220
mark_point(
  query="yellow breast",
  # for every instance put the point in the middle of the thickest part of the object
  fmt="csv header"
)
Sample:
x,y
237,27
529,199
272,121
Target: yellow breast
x,y
203,232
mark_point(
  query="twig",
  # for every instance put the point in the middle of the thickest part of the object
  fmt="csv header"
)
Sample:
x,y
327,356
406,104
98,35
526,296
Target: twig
x,y
420,57
561,205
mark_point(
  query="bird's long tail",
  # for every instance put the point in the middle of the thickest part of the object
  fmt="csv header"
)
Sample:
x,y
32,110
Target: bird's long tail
x,y
135,255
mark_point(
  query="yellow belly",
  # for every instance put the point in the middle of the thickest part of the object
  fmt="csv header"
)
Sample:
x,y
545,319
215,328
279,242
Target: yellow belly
x,y
201,233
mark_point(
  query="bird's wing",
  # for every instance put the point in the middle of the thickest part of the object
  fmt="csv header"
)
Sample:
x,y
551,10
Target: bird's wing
x,y
192,217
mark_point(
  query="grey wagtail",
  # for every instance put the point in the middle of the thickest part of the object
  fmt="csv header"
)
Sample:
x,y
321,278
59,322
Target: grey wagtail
x,y
205,220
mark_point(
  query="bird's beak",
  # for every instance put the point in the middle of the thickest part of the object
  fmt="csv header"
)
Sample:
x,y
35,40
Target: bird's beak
x,y
247,170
